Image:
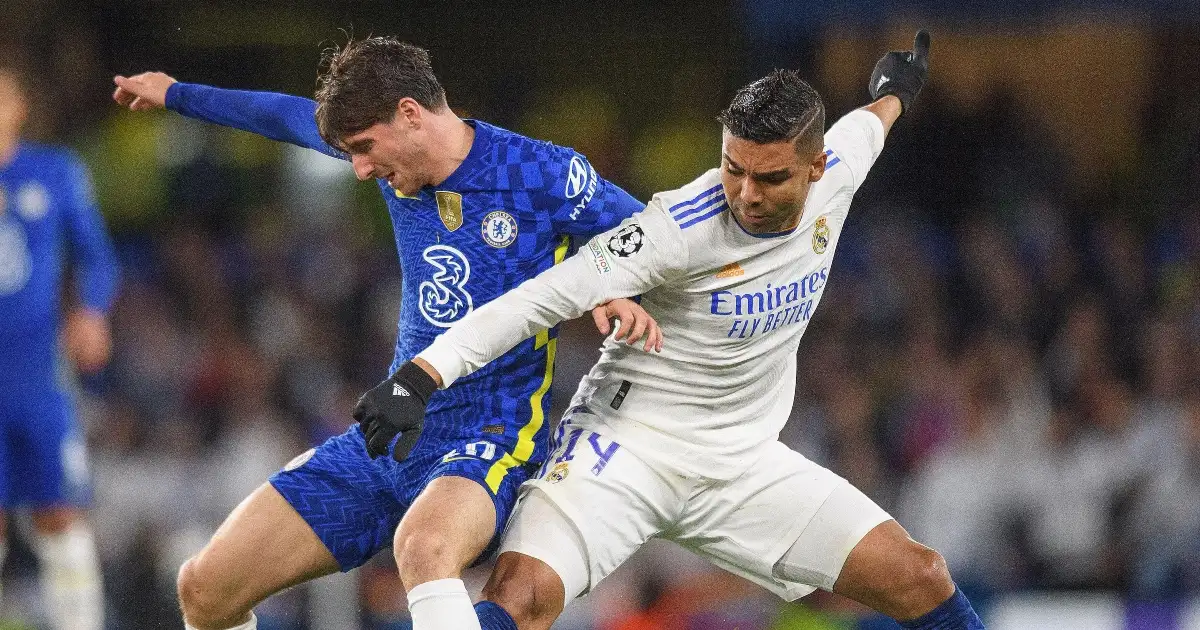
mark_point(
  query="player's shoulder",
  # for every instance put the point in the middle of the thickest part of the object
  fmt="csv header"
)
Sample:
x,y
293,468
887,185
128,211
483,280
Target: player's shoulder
x,y
510,147
696,202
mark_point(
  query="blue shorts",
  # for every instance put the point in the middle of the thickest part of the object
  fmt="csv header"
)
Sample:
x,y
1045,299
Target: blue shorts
x,y
43,455
354,503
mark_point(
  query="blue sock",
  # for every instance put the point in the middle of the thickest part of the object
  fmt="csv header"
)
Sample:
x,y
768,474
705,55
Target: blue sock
x,y
953,614
493,617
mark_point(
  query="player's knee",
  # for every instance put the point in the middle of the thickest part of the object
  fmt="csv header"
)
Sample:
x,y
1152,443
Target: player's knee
x,y
921,584
203,603
529,599
423,555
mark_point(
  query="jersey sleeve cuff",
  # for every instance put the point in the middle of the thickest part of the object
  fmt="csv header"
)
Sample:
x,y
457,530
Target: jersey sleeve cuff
x,y
445,360
872,127
175,93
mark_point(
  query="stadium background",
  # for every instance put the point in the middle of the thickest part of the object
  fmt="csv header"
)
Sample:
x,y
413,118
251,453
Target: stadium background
x,y
1007,358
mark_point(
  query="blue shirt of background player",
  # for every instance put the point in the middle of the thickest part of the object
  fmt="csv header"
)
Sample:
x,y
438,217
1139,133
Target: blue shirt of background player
x,y
521,200
47,210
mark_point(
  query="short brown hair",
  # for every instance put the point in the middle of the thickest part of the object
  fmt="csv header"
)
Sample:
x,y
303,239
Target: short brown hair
x,y
360,85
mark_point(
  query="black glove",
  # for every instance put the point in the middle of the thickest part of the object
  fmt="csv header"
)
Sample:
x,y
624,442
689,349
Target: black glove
x,y
902,74
395,406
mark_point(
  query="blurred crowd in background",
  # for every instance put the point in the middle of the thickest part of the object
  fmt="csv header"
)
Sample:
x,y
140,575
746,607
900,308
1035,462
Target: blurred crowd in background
x,y
1007,357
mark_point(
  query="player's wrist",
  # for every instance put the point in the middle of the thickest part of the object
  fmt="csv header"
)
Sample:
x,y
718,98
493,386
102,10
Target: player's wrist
x,y
414,378
175,92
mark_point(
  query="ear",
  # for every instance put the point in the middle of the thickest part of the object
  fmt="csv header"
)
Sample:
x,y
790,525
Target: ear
x,y
816,168
408,113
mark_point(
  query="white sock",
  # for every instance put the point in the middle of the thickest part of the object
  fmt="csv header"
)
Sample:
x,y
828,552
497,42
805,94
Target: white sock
x,y
249,625
442,605
71,584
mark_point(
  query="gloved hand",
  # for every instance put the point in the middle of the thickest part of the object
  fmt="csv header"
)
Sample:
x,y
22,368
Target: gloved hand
x,y
395,407
902,73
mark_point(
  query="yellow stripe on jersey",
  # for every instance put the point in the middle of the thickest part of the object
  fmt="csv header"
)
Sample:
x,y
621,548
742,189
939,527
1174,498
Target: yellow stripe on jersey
x,y
525,445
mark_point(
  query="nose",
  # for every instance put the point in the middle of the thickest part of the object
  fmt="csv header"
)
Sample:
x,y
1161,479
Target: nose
x,y
363,169
751,193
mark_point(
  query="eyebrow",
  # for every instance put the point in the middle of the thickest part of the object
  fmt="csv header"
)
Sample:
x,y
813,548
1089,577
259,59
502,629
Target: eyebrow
x,y
359,146
783,172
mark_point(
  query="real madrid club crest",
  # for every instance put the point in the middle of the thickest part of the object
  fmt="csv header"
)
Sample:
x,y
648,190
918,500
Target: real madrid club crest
x,y
499,229
627,241
558,473
449,209
820,236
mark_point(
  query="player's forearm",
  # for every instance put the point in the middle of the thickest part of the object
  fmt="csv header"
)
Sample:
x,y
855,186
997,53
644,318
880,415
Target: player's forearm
x,y
496,327
887,109
280,117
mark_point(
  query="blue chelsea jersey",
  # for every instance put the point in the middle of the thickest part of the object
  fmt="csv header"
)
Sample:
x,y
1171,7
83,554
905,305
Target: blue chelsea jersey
x,y
47,213
506,214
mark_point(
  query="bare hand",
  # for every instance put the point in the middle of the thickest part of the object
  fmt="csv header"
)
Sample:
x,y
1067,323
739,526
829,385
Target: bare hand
x,y
141,92
88,340
634,321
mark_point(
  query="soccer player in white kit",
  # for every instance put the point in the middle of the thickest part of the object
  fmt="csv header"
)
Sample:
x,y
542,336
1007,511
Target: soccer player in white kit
x,y
682,444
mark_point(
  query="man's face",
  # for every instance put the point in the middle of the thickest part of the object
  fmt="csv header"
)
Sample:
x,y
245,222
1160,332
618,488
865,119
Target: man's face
x,y
12,106
766,184
392,150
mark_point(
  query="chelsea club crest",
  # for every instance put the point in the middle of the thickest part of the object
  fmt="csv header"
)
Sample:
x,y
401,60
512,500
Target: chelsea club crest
x,y
820,236
499,229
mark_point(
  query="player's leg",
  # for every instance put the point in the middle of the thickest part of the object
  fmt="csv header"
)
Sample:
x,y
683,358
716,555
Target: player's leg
x,y
263,547
464,492
526,591
793,526
444,531
594,506
331,508
50,475
905,580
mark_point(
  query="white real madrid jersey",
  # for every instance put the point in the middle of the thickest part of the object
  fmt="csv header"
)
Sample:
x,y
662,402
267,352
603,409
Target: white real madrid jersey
x,y
732,306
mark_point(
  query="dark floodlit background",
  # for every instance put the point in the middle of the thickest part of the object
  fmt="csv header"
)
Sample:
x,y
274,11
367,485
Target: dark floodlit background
x,y
1007,358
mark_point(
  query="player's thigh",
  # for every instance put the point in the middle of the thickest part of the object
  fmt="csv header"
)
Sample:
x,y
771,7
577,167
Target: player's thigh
x,y
263,547
594,505
447,527
787,523
47,454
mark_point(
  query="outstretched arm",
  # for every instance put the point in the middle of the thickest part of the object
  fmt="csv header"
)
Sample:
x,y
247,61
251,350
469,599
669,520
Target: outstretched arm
x,y
276,116
898,79
633,258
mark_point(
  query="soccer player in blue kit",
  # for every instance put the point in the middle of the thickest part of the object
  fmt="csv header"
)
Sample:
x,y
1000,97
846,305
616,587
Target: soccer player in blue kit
x,y
48,214
476,211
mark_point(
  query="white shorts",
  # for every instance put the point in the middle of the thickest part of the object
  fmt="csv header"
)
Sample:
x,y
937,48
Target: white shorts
x,y
596,503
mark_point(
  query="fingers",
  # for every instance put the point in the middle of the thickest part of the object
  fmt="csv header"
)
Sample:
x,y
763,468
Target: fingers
x,y
405,444
921,45
653,336
626,318
600,316
378,444
640,322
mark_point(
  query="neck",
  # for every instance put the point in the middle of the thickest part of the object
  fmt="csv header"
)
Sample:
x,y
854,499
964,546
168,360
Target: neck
x,y
451,141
